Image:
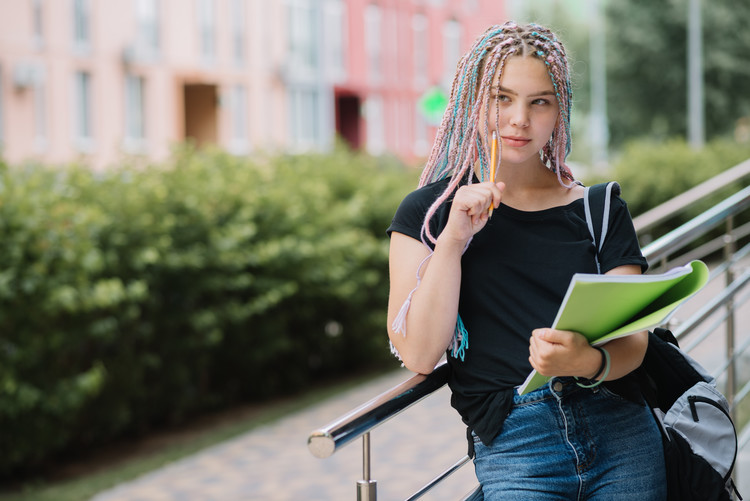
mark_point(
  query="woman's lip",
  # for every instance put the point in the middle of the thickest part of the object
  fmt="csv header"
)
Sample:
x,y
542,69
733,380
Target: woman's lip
x,y
516,141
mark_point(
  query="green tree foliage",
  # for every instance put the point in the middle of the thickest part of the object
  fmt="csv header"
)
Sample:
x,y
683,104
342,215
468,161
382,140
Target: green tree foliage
x,y
647,67
136,297
653,173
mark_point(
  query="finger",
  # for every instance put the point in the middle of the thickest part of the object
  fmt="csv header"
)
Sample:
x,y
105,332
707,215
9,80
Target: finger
x,y
554,336
497,193
473,199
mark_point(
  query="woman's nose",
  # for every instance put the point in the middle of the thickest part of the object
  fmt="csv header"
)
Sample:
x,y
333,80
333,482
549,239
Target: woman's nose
x,y
519,117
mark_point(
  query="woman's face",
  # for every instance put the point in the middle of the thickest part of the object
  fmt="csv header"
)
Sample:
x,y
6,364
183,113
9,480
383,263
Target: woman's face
x,y
522,108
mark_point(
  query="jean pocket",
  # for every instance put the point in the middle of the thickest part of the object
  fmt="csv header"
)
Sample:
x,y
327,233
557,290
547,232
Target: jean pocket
x,y
611,395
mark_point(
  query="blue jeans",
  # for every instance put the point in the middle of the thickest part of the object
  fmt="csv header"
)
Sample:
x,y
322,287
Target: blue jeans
x,y
563,442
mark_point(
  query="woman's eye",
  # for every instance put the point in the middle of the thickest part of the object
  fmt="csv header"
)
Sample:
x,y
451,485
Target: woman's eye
x,y
540,101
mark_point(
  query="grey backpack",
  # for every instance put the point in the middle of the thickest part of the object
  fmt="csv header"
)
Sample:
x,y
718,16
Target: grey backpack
x,y
698,435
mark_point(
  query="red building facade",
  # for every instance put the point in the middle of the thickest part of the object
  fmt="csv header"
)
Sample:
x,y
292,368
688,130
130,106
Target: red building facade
x,y
398,51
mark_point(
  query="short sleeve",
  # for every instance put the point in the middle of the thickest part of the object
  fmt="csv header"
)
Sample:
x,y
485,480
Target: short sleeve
x,y
621,246
409,216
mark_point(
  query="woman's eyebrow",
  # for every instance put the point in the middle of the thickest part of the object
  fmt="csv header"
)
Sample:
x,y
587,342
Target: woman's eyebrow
x,y
500,88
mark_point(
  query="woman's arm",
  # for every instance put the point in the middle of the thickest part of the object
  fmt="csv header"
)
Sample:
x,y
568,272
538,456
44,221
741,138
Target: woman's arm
x,y
565,353
431,319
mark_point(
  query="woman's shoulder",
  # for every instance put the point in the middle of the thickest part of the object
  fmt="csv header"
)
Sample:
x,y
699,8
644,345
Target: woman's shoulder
x,y
425,195
600,190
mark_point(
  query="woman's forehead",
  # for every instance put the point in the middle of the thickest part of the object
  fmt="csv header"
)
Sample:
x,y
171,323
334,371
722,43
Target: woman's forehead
x,y
524,74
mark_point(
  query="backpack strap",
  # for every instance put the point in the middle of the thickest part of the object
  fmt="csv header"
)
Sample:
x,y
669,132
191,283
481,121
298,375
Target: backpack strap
x,y
596,202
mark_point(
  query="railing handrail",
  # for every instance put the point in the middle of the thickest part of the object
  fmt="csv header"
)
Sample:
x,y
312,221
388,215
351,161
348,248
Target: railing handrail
x,y
324,441
662,212
709,219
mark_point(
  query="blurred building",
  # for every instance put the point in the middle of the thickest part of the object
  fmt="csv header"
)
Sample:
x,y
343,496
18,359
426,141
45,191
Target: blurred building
x,y
98,79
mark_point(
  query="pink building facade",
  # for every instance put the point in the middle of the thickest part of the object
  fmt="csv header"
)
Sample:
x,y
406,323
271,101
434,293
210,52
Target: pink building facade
x,y
398,51
97,80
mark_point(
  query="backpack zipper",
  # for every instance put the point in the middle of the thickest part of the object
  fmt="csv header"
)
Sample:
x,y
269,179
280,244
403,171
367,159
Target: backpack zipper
x,y
692,399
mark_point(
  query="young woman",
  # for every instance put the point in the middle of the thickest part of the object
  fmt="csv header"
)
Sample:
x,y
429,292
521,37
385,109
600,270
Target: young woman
x,y
479,264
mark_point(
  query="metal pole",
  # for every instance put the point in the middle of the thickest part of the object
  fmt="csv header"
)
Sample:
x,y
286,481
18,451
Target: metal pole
x,y
696,118
729,250
367,489
598,121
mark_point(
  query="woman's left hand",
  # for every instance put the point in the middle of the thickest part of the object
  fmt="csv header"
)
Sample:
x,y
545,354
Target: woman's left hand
x,y
562,353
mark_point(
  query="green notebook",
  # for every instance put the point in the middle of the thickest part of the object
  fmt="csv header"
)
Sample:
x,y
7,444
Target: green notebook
x,y
605,307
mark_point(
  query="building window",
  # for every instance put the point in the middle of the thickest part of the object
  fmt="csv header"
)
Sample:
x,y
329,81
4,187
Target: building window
x,y
81,26
40,116
82,112
2,112
135,120
238,32
421,53
38,21
305,117
207,30
238,112
375,125
373,42
335,33
302,41
390,56
451,50
421,144
147,19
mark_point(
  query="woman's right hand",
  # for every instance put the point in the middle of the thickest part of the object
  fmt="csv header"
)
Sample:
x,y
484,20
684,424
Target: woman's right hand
x,y
470,210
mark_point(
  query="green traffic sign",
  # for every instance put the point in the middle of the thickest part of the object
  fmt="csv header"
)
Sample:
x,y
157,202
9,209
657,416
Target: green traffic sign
x,y
432,105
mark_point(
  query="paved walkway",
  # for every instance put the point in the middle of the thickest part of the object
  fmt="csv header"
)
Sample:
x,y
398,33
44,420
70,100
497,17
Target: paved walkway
x,y
273,463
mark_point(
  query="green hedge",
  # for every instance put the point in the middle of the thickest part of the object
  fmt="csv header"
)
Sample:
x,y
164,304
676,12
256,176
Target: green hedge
x,y
652,173
136,297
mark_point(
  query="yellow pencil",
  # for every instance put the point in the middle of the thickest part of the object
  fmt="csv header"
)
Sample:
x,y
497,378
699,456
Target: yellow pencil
x,y
493,162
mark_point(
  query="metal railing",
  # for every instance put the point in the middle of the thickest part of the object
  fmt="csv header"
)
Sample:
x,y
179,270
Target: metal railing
x,y
664,252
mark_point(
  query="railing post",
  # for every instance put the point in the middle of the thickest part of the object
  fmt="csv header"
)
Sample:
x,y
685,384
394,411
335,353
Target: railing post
x,y
367,489
729,250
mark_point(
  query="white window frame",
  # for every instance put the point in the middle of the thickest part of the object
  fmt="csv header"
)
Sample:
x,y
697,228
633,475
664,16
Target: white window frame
x,y
135,113
373,42
302,40
148,20
390,44
452,32
81,26
37,16
40,115
375,116
336,34
206,20
304,106
239,141
238,23
420,39
82,114
2,110
421,143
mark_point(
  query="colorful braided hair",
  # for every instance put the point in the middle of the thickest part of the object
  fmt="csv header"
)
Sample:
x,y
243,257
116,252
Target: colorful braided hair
x,y
458,143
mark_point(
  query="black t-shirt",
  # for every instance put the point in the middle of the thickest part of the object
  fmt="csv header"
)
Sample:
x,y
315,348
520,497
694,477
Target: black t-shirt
x,y
515,273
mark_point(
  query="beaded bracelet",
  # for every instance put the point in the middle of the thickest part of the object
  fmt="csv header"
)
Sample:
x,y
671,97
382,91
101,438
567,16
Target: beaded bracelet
x,y
606,365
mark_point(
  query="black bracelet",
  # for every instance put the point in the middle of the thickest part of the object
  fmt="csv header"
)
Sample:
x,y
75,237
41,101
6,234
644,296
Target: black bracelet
x,y
602,367
604,362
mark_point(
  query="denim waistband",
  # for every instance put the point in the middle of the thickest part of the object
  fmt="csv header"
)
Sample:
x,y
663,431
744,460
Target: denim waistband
x,y
557,387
